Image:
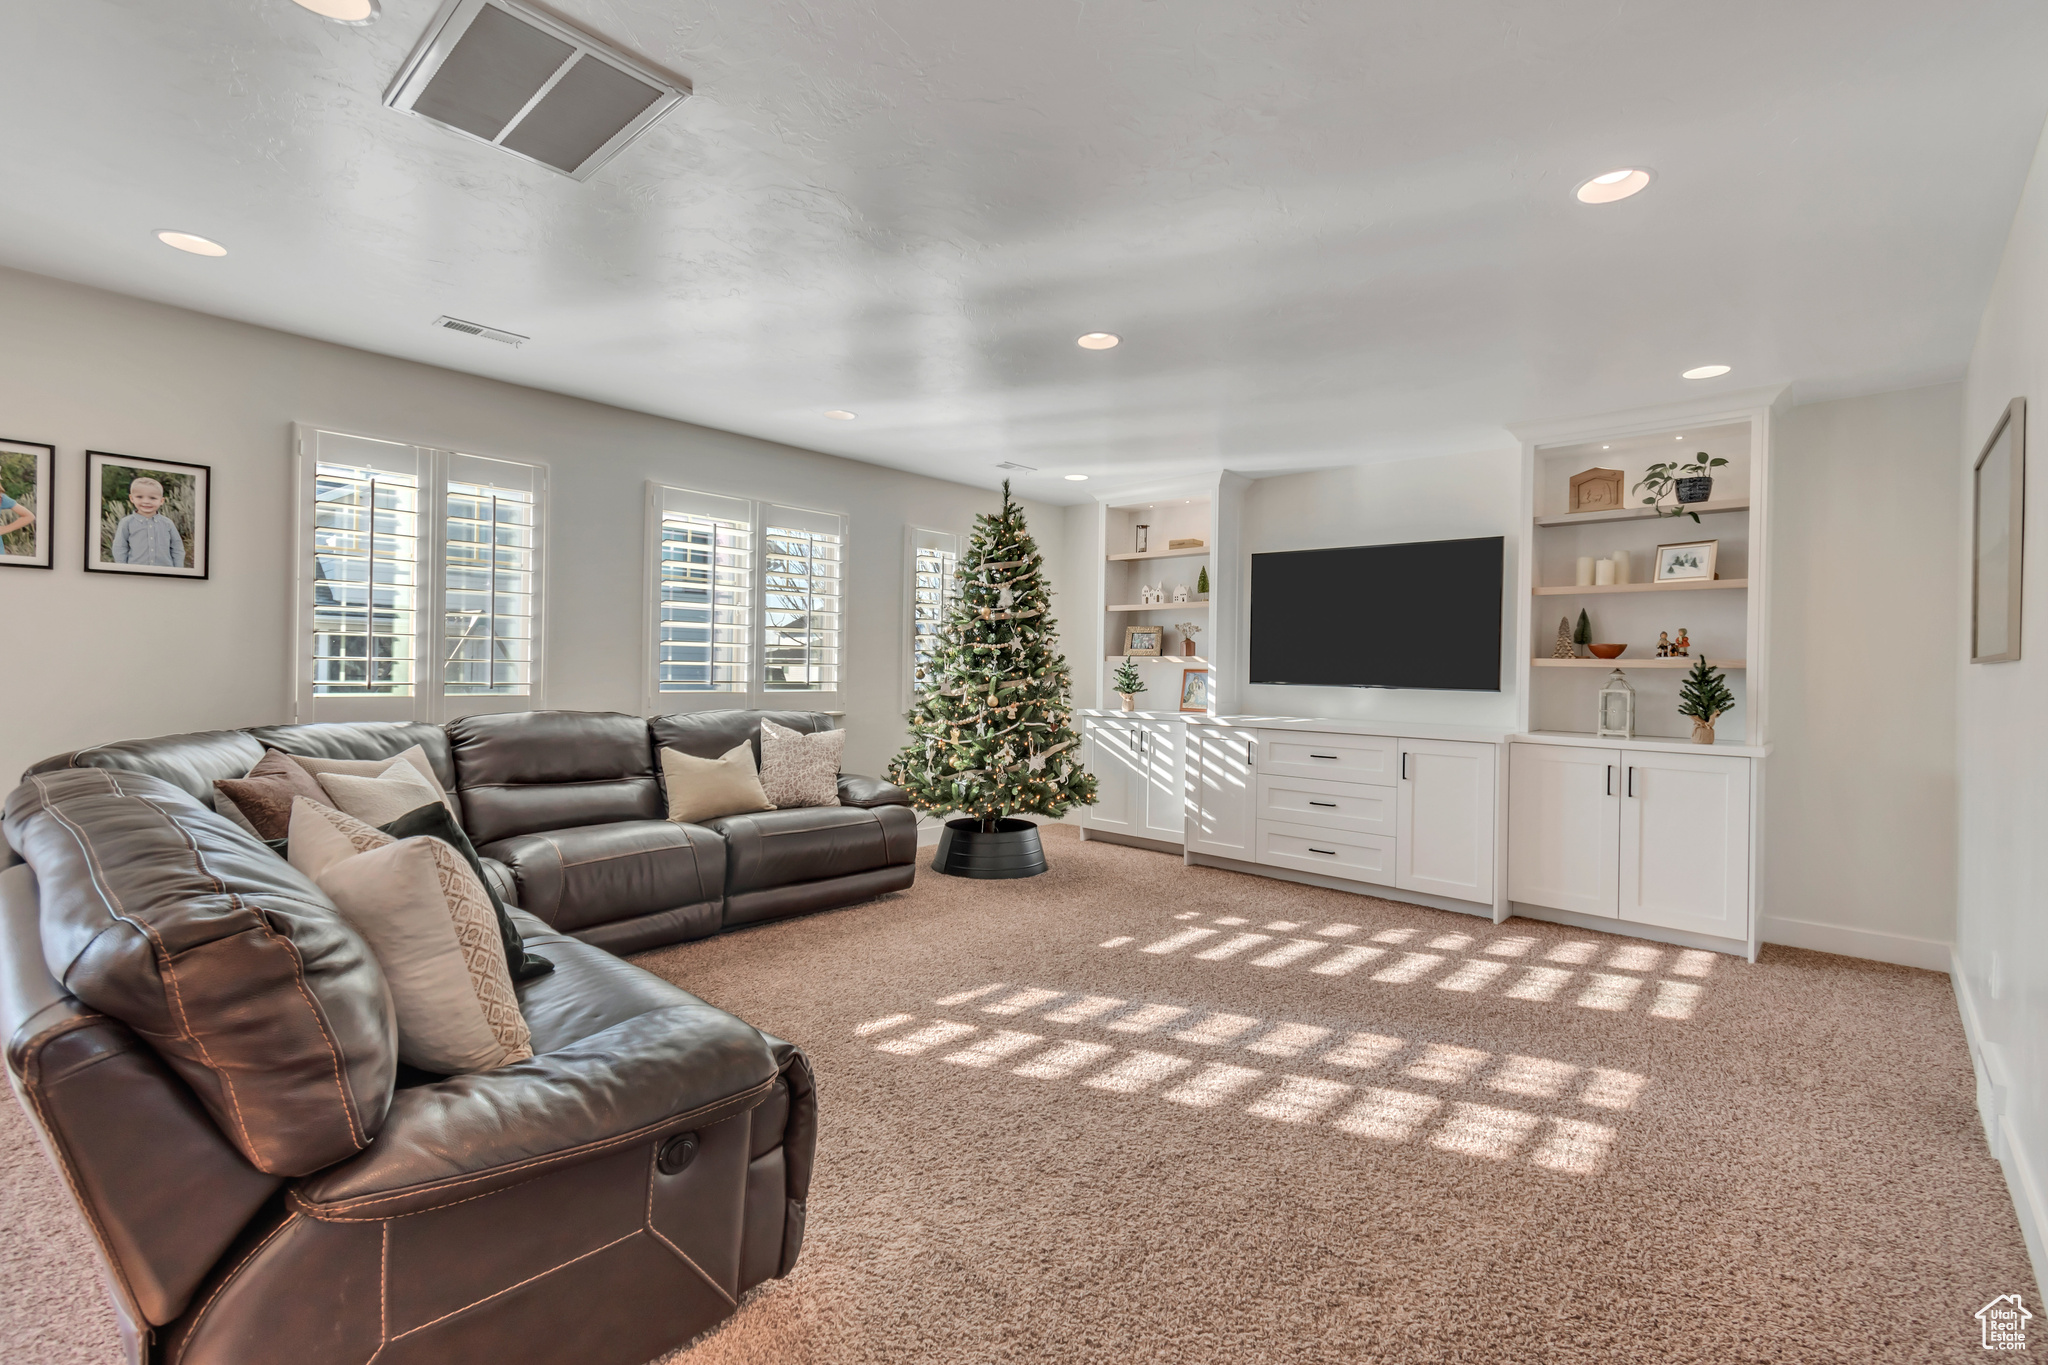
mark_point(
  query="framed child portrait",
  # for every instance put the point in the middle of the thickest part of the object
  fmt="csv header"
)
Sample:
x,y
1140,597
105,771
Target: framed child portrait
x,y
147,516
1194,689
26,471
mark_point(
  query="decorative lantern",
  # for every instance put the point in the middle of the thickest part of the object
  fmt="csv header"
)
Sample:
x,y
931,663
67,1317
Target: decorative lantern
x,y
1617,708
1144,536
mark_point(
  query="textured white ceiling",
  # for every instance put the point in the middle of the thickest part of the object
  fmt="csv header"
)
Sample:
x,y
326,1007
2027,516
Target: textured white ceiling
x,y
1328,230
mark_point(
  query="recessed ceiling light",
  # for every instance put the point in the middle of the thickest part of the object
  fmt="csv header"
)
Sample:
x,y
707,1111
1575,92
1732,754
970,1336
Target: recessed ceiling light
x,y
192,242
1097,341
1077,478
1707,372
1604,447
841,415
1605,189
342,11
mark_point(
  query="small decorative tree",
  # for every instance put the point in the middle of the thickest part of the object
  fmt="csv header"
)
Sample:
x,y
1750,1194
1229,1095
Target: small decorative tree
x,y
1582,633
1563,649
1202,581
991,733
1704,696
1125,682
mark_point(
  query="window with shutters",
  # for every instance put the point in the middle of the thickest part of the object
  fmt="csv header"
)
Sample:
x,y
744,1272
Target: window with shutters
x,y
934,559
420,580
800,601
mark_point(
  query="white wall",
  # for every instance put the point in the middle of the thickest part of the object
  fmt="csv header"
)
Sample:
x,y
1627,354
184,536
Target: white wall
x,y
2002,746
1441,498
1861,783
94,657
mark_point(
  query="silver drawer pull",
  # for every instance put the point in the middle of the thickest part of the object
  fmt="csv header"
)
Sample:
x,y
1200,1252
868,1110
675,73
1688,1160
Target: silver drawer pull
x,y
1331,757
1329,851
1331,804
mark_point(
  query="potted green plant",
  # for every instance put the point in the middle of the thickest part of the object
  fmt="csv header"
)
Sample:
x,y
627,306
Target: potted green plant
x,y
1686,483
1126,683
1705,697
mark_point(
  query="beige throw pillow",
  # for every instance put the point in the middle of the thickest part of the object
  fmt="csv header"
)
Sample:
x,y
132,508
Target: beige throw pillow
x,y
799,769
321,836
381,799
426,917
704,788
371,767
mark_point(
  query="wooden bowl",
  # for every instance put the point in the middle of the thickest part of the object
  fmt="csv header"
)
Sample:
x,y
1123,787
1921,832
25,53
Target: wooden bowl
x,y
1607,651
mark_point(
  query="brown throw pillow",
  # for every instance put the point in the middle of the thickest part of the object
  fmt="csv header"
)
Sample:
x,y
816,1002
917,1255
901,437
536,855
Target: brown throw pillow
x,y
263,795
799,769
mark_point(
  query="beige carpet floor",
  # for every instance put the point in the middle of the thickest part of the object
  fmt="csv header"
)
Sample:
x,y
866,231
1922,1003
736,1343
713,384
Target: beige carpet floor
x,y
1131,1110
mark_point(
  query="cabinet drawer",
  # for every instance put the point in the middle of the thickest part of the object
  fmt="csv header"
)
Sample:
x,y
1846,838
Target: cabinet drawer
x,y
1352,806
1341,758
1335,853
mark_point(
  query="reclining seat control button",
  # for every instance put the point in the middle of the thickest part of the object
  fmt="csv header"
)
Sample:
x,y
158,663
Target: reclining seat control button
x,y
677,1153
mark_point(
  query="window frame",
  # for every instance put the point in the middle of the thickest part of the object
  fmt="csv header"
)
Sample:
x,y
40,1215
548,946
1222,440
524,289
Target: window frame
x,y
756,695
915,540
430,700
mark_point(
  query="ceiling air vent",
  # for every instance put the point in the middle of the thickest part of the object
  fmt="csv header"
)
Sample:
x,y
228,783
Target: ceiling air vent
x,y
1012,464
507,74
477,329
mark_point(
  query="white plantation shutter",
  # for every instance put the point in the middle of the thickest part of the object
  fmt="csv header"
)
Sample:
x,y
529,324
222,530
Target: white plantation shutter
x,y
934,558
490,578
703,591
801,587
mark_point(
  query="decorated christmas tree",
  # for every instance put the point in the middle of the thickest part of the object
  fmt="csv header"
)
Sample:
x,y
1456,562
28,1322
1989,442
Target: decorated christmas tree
x,y
991,733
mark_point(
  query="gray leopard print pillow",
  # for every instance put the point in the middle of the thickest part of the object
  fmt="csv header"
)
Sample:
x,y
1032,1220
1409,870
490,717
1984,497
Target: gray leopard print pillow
x,y
799,769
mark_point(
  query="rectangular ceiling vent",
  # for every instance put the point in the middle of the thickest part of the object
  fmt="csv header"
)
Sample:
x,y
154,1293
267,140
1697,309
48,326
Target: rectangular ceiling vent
x,y
505,73
477,329
1012,464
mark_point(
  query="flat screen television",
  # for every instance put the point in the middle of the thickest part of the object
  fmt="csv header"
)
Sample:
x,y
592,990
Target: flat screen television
x,y
1424,614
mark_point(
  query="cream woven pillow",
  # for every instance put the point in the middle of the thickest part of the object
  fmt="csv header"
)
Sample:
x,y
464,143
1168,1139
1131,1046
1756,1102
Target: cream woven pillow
x,y
374,767
425,916
705,788
799,769
379,800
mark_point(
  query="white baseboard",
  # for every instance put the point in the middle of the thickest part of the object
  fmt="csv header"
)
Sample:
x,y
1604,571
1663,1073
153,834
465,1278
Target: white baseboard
x,y
1388,893
1902,950
1994,1107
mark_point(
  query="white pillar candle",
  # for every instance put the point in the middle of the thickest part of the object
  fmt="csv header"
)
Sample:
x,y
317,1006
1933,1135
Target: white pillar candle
x,y
1585,571
1621,566
1603,572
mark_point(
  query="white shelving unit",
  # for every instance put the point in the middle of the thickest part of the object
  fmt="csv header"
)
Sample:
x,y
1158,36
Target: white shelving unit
x,y
1183,512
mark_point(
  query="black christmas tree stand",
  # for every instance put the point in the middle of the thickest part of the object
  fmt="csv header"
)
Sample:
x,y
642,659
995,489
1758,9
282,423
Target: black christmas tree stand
x,y
1012,849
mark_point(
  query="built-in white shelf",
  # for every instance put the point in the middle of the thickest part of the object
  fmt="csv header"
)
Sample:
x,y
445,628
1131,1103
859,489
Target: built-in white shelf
x,y
1630,513
1160,658
1626,662
1161,606
1684,585
1162,554
1586,739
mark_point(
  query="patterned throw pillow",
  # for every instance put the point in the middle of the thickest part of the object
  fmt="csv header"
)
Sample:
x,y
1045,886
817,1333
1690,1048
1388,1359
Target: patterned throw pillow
x,y
799,769
428,920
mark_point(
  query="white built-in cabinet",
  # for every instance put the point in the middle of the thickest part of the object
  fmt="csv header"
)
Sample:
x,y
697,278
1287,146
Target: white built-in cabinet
x,y
1642,836
1447,818
1221,816
1137,759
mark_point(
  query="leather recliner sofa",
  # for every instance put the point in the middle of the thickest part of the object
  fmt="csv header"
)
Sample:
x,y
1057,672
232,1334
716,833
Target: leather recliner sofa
x,y
207,1051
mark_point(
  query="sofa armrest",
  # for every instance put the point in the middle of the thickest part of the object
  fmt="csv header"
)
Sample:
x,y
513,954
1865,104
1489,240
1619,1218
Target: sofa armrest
x,y
501,879
855,790
686,1066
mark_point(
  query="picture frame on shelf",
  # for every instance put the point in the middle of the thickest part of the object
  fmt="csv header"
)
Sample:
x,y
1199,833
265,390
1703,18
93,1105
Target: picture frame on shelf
x,y
147,517
1194,689
1998,496
1144,642
28,470
1687,561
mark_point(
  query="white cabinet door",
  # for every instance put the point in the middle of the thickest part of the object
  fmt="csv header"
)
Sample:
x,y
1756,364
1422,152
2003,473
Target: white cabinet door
x,y
1446,818
1564,827
1165,814
1220,795
1685,842
1113,753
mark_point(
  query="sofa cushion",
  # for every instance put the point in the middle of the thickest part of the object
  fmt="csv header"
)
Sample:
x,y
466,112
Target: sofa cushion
x,y
219,954
192,763
594,874
708,734
781,847
590,990
365,740
552,770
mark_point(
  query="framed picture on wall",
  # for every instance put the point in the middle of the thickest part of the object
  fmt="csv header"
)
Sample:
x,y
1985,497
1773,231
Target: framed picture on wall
x,y
27,469
147,516
1998,499
1194,689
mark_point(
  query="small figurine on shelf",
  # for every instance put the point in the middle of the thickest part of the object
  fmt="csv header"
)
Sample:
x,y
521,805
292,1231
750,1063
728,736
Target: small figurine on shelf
x,y
1564,648
1681,645
1181,594
1663,644
1202,582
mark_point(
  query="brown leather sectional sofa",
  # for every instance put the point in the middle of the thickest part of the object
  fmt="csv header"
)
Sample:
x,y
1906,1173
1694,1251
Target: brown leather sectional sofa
x,y
208,1052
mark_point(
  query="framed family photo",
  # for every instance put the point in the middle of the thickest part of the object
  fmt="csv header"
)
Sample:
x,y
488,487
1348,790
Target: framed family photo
x,y
1194,689
1144,642
147,516
26,471
1688,561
